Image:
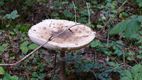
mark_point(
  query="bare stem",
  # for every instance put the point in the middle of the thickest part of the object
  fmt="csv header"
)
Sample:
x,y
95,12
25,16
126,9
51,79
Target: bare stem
x,y
89,14
62,66
122,5
74,10
54,68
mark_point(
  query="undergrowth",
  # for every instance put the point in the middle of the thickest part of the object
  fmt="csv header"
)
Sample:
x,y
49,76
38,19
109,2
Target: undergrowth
x,y
115,54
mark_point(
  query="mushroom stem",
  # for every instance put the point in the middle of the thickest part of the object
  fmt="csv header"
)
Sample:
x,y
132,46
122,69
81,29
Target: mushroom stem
x,y
62,66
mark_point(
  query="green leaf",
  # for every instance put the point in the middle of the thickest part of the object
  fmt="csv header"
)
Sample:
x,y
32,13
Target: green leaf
x,y
137,72
84,12
112,64
22,27
95,43
12,15
120,27
14,78
2,71
125,78
6,76
133,74
128,28
139,2
68,14
83,20
24,44
139,56
9,77
5,45
2,48
32,46
1,3
136,69
24,47
126,75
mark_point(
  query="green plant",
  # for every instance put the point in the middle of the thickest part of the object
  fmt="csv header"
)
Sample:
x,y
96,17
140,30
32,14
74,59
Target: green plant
x,y
3,47
2,71
129,28
133,74
26,46
22,28
109,53
2,2
68,14
38,76
139,2
80,64
130,55
9,77
113,48
95,44
11,16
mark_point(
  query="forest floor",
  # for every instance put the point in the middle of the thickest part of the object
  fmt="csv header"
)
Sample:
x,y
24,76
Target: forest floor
x,y
115,53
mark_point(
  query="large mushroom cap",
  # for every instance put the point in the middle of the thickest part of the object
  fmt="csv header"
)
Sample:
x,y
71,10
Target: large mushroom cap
x,y
77,37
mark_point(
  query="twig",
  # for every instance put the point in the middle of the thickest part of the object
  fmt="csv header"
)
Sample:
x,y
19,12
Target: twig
x,y
124,60
55,62
122,5
89,14
74,10
51,38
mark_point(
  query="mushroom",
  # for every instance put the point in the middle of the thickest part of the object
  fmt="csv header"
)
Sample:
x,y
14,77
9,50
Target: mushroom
x,y
63,35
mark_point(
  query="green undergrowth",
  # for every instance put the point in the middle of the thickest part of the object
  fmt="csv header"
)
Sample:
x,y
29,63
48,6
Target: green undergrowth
x,y
115,53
